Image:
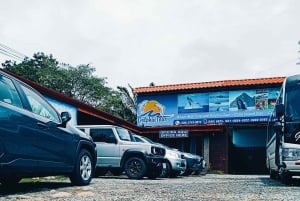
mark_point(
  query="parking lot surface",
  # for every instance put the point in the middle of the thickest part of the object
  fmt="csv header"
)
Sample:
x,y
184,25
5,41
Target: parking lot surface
x,y
208,187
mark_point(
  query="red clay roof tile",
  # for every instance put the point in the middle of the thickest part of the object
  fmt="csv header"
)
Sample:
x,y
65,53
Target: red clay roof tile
x,y
213,84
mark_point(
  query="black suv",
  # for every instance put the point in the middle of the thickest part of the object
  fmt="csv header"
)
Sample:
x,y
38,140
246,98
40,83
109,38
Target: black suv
x,y
36,141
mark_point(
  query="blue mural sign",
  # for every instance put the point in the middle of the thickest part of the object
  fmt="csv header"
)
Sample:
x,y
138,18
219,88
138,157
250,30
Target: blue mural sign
x,y
64,107
244,106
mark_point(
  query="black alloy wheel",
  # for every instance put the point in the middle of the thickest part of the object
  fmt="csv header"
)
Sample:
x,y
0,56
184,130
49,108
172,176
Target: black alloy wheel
x,y
135,168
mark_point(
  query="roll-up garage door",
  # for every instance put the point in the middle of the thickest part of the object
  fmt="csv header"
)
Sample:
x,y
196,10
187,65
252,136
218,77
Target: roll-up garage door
x,y
247,152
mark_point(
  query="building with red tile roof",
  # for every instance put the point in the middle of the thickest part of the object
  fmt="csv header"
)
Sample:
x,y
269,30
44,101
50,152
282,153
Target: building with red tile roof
x,y
231,143
232,147
259,82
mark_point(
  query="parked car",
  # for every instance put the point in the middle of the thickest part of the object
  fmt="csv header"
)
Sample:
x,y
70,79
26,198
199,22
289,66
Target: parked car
x,y
118,152
195,164
175,162
36,141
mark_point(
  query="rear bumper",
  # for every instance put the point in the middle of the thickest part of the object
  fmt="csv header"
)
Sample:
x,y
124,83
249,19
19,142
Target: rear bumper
x,y
293,167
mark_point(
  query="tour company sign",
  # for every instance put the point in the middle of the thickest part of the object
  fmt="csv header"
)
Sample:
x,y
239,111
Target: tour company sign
x,y
174,134
237,106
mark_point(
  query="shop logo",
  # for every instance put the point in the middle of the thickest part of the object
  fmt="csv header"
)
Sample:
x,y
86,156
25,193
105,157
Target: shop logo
x,y
297,136
151,111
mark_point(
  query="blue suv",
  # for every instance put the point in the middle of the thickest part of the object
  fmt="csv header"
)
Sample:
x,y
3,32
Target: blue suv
x,y
36,141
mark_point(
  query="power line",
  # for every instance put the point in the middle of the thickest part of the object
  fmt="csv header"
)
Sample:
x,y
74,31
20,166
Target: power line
x,y
5,50
12,50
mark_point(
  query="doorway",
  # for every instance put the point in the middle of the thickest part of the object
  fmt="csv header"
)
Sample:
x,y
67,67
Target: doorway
x,y
248,152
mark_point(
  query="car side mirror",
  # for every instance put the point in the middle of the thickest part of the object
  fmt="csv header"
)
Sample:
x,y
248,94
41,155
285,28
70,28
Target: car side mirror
x,y
279,110
65,117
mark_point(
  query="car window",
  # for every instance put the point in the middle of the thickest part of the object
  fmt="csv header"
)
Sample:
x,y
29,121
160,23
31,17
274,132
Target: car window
x,y
137,139
124,134
148,140
82,129
39,105
8,92
102,135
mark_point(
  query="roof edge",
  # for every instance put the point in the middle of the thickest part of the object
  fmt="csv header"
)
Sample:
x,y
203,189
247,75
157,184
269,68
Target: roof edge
x,y
210,84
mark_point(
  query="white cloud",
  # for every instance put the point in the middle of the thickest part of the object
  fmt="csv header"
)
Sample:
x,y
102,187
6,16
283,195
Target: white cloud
x,y
160,41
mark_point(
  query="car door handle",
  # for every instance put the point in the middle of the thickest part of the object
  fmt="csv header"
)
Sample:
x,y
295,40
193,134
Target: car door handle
x,y
42,125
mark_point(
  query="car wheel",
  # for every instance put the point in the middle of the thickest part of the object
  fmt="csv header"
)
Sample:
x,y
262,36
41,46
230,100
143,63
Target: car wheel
x,y
83,170
286,178
273,174
135,168
166,170
10,180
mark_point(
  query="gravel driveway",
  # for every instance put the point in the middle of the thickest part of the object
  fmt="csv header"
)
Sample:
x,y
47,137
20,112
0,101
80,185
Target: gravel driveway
x,y
208,187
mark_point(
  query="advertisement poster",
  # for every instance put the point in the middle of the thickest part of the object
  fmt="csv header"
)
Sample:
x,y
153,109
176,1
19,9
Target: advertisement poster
x,y
63,107
244,106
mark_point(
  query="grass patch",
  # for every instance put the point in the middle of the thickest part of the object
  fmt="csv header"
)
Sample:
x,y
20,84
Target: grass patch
x,y
43,179
215,172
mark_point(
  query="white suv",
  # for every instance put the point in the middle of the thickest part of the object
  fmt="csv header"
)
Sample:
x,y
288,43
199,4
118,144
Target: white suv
x,y
175,162
117,151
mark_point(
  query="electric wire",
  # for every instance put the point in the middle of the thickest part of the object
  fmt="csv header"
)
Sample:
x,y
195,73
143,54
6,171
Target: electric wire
x,y
7,51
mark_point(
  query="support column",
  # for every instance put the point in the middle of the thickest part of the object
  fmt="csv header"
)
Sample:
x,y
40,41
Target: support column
x,y
206,149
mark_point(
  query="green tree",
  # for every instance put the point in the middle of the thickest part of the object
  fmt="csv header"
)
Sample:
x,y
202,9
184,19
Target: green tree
x,y
40,68
128,103
76,82
151,84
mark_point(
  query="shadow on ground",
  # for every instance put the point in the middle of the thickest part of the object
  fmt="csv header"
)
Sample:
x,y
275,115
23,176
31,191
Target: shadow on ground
x,y
32,187
276,182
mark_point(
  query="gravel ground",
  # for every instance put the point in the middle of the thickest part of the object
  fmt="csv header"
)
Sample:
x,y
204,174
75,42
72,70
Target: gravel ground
x,y
207,187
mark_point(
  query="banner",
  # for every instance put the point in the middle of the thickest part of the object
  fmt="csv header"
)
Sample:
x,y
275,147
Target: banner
x,y
243,106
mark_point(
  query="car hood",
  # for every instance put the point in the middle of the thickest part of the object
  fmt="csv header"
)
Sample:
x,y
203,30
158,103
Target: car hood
x,y
72,129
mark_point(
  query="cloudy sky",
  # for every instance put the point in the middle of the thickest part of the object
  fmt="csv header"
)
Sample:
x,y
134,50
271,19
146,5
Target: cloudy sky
x,y
137,42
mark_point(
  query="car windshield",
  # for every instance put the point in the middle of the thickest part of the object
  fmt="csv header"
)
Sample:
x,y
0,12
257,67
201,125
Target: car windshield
x,y
292,106
148,140
124,134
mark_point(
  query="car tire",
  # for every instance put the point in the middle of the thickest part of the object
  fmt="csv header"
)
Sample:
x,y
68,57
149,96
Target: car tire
x,y
84,169
10,180
286,178
135,168
166,170
273,174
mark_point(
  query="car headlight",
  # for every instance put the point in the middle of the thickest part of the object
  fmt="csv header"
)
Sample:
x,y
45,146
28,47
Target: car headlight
x,y
290,154
158,151
172,154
